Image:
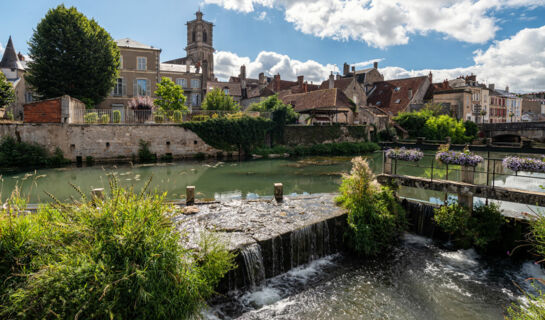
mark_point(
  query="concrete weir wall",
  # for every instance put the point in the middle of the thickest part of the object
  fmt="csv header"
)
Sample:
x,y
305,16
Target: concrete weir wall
x,y
111,141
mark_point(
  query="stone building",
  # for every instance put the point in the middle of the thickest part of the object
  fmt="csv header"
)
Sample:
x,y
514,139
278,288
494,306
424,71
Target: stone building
x,y
480,98
325,106
456,100
141,67
13,65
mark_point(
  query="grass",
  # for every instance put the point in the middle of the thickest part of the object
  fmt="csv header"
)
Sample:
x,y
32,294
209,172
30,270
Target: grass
x,y
341,148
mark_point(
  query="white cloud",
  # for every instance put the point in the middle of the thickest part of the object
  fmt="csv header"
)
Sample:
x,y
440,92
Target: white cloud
x,y
262,16
1,50
383,23
517,62
228,64
367,63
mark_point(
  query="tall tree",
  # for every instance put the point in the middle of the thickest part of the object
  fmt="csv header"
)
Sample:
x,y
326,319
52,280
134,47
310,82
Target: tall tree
x,y
72,55
7,95
218,100
170,96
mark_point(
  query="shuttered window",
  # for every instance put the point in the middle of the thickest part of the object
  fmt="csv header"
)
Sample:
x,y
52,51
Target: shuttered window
x,y
142,87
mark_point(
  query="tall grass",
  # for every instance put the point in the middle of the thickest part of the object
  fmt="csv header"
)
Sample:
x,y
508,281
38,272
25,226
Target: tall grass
x,y
117,258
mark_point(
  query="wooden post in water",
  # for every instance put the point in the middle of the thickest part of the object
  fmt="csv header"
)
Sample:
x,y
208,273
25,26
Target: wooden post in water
x,y
278,192
189,195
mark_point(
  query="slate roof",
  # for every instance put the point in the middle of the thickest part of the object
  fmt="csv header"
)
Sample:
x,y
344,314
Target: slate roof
x,y
388,98
342,83
318,99
170,67
129,43
10,59
234,88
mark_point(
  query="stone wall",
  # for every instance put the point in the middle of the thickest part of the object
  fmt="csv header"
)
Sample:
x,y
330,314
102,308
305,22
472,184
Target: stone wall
x,y
111,141
308,135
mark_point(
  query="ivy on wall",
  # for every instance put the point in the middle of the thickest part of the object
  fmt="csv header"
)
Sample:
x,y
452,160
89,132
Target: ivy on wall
x,y
226,134
309,135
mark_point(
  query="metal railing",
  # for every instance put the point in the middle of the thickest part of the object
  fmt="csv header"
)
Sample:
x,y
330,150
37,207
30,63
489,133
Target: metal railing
x,y
129,116
489,168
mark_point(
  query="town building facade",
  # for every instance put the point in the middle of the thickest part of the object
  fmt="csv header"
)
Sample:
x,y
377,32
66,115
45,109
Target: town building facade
x,y
13,65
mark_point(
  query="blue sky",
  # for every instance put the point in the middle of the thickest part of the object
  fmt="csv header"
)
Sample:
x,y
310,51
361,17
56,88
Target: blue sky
x,y
313,38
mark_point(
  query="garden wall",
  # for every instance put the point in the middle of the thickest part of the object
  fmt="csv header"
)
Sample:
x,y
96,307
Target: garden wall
x,y
111,141
309,135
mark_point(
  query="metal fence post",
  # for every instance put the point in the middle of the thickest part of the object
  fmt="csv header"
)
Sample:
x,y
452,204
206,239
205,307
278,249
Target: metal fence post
x,y
431,179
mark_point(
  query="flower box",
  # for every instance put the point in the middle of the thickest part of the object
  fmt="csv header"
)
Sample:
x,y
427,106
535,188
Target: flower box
x,y
465,159
404,154
524,164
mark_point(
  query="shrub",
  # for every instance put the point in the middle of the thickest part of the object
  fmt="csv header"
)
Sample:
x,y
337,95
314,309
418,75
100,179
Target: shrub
x,y
119,259
159,117
91,117
177,116
89,160
453,219
116,116
472,130
144,153
20,154
375,218
105,119
200,117
9,115
426,123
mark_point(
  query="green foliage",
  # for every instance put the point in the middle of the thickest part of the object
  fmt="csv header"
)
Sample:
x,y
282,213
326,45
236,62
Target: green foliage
x,y
307,135
72,55
472,130
357,132
200,117
116,116
387,134
436,109
159,116
177,116
327,149
534,308
118,258
170,96
9,115
144,153
104,119
227,134
89,160
282,114
479,228
91,117
217,100
7,94
434,127
14,154
375,218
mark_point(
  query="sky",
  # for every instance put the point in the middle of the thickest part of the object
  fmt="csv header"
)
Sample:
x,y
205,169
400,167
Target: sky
x,y
501,41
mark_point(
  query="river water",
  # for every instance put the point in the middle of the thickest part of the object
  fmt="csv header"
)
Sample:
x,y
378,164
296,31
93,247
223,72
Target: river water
x,y
418,280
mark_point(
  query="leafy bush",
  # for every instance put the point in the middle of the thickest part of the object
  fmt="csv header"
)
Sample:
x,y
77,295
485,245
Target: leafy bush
x,y
105,119
144,153
433,127
387,134
91,117
375,218
120,258
170,96
177,116
200,117
217,99
226,134
20,154
116,116
472,130
282,114
159,116
479,228
335,149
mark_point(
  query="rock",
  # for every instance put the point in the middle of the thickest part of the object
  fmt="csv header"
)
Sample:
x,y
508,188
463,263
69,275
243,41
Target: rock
x,y
274,156
191,210
256,156
286,155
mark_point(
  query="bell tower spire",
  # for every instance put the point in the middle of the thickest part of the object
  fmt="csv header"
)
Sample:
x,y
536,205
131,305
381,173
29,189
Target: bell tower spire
x,y
200,50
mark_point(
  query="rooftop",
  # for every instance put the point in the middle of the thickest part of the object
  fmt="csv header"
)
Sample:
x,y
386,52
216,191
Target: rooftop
x,y
129,43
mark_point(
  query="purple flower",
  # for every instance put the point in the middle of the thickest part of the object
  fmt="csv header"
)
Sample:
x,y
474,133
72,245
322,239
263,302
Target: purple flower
x,y
405,154
524,164
465,158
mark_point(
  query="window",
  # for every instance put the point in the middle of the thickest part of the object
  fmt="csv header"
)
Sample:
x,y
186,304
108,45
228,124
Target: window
x,y
195,83
194,36
181,82
204,37
195,99
118,88
28,97
120,62
142,63
141,87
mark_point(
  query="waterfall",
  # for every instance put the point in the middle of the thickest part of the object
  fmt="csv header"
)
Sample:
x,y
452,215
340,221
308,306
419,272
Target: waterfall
x,y
253,264
420,217
309,243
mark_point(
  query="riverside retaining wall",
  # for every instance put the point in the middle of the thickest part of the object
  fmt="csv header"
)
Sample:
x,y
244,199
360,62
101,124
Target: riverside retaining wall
x,y
111,141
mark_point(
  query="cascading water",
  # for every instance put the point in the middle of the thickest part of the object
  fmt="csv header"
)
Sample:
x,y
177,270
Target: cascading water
x,y
253,264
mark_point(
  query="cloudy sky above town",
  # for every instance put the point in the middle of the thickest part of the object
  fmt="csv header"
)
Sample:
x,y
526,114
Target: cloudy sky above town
x,y
502,41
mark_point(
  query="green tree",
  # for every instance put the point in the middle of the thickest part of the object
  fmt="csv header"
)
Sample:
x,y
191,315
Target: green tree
x,y
170,96
7,95
282,114
472,130
435,108
218,100
72,55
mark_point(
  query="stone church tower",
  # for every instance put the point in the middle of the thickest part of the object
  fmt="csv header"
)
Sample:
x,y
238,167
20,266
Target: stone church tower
x,y
200,51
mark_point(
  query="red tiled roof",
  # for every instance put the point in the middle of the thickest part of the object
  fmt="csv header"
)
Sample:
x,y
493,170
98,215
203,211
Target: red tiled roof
x,y
386,97
318,99
234,88
342,83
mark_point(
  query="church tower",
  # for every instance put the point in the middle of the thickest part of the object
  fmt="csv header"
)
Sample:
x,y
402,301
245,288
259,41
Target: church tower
x,y
200,51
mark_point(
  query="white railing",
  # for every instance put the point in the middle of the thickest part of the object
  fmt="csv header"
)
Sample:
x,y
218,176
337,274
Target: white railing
x,y
108,116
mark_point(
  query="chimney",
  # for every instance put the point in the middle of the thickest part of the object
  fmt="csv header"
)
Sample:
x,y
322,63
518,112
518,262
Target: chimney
x,y
353,69
346,69
338,77
305,87
261,78
430,76
242,72
410,93
507,89
491,86
300,80
331,81
276,84
21,57
375,65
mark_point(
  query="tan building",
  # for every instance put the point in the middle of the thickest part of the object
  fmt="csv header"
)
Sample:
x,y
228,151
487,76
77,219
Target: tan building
x,y
479,109
456,100
13,65
141,68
